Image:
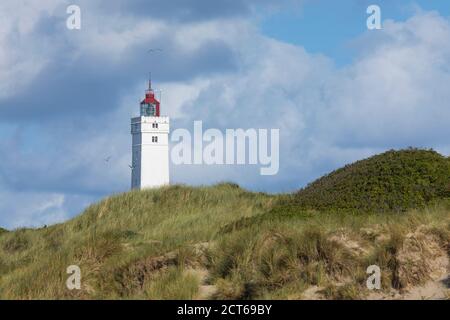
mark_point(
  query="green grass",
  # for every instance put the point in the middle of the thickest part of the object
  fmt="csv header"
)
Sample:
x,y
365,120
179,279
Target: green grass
x,y
146,255
270,257
144,245
174,284
114,236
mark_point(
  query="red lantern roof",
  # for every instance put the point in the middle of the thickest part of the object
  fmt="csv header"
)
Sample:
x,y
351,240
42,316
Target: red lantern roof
x,y
150,99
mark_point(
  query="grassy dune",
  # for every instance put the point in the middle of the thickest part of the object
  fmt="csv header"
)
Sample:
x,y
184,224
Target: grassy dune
x,y
392,181
223,242
113,236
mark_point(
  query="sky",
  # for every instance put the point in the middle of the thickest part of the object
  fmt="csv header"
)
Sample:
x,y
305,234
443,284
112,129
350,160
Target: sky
x,y
337,91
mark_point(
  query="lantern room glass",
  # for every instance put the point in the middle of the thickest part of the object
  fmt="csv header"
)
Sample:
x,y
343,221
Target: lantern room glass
x,y
148,110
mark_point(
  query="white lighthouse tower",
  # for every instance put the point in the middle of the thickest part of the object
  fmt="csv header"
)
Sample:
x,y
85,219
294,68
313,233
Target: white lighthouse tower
x,y
150,131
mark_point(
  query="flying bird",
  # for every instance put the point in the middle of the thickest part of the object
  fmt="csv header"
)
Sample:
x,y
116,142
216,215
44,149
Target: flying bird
x,y
131,167
108,158
155,50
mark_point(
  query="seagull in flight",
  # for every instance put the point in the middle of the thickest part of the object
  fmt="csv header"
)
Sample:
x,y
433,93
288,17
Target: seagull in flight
x,y
108,158
131,167
155,50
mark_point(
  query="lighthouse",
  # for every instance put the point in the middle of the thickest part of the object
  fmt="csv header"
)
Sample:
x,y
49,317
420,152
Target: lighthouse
x,y
150,145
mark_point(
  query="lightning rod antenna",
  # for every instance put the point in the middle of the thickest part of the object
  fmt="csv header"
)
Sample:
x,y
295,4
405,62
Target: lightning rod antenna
x,y
149,81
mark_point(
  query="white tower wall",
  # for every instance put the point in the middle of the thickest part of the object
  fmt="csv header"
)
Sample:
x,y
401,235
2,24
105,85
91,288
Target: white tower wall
x,y
150,159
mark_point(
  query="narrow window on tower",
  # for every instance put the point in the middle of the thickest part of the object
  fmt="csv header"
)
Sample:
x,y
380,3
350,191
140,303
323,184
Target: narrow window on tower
x,y
155,126
154,139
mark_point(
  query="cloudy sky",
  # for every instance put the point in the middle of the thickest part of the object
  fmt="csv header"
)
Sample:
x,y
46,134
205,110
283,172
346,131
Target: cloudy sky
x,y
337,91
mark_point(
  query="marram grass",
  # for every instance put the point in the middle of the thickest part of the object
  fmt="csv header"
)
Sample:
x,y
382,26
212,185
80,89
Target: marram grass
x,y
223,242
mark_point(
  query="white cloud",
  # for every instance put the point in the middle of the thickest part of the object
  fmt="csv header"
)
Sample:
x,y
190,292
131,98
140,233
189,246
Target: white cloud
x,y
31,209
393,96
22,55
396,94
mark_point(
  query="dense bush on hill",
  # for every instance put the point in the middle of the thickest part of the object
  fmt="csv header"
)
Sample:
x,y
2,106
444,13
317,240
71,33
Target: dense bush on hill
x,y
392,181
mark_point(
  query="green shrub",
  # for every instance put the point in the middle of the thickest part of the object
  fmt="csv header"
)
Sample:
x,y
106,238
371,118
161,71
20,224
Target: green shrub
x,y
392,181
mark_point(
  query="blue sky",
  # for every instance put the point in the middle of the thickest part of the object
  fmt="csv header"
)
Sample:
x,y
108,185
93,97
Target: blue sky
x,y
337,91
328,27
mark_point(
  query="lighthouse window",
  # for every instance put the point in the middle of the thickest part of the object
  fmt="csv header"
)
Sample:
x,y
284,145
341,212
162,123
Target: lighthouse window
x,y
155,126
154,139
